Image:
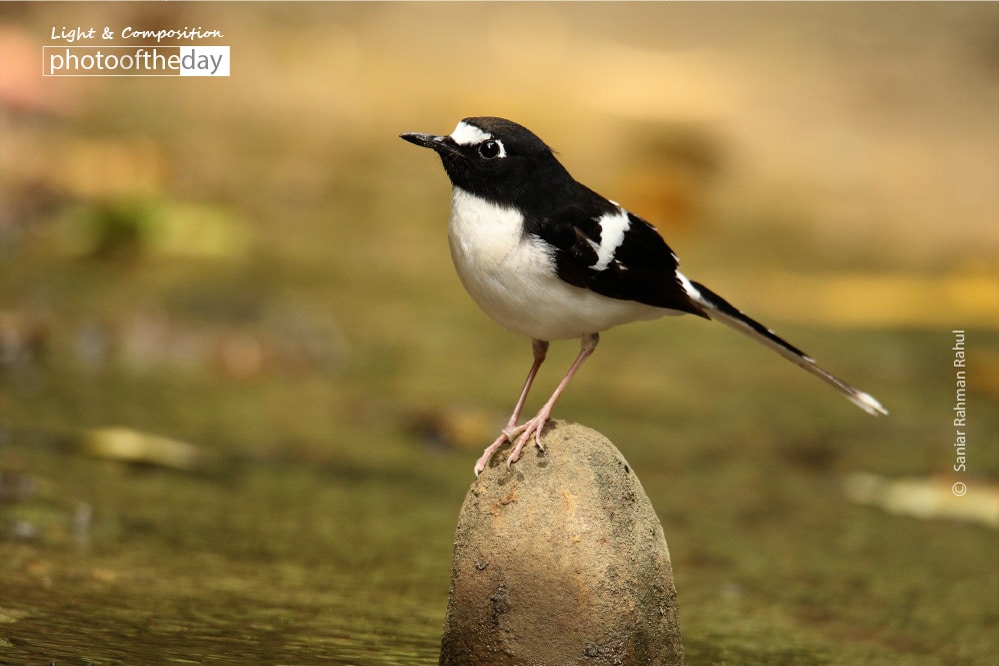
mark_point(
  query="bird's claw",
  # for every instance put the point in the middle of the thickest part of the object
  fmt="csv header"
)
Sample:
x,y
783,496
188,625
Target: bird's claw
x,y
524,433
519,435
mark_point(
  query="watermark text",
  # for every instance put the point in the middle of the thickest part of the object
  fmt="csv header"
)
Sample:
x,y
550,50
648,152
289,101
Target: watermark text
x,y
960,410
135,61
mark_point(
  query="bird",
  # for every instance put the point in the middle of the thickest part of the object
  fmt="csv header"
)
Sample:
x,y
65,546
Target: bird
x,y
549,258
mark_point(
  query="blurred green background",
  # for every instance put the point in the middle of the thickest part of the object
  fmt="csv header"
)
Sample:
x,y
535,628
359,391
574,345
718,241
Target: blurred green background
x,y
241,388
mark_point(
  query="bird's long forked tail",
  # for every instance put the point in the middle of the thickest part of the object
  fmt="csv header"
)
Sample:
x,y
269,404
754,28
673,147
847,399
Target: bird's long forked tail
x,y
718,308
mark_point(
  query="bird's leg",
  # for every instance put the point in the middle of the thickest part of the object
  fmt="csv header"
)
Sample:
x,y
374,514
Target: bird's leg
x,y
540,348
537,424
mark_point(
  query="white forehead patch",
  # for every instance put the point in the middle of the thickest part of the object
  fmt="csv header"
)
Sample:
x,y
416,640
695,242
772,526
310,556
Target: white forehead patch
x,y
469,135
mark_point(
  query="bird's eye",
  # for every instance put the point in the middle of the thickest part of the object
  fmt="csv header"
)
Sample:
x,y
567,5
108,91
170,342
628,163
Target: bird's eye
x,y
490,149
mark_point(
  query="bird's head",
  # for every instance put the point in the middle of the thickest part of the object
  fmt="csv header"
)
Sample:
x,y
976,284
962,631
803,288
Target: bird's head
x,y
494,158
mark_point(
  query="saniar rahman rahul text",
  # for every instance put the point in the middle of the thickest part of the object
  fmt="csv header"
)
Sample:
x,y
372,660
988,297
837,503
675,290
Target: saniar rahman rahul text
x,y
960,403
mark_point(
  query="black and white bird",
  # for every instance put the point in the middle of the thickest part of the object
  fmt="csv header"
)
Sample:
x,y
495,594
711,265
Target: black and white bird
x,y
547,257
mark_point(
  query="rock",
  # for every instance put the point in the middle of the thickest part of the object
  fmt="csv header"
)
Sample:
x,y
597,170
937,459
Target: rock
x,y
560,560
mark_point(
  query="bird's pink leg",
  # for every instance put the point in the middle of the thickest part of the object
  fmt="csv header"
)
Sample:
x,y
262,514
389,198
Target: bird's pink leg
x,y
540,348
537,424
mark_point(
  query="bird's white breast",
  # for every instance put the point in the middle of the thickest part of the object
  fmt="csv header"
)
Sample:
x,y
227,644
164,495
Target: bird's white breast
x,y
511,276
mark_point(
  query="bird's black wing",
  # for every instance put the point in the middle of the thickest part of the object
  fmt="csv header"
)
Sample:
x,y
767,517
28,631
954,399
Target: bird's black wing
x,y
643,267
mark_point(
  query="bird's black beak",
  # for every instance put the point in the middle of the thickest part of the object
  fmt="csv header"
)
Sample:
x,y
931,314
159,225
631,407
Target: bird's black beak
x,y
441,144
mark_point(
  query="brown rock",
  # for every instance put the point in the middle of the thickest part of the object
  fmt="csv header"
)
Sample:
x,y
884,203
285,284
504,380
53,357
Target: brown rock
x,y
561,560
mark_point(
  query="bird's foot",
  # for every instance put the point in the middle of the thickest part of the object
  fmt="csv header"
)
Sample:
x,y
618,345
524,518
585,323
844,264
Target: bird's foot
x,y
483,460
520,435
523,434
